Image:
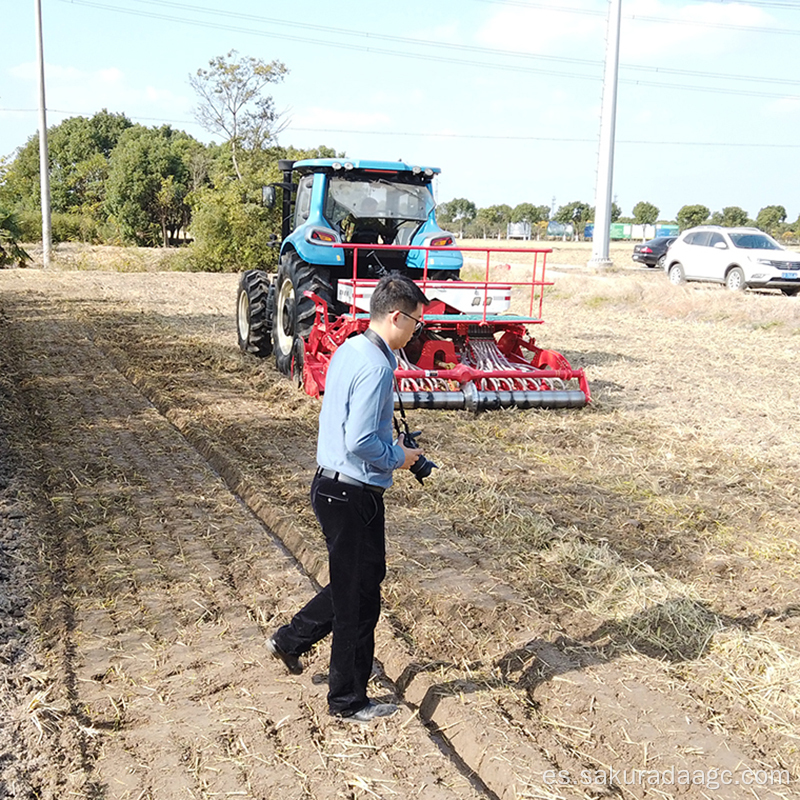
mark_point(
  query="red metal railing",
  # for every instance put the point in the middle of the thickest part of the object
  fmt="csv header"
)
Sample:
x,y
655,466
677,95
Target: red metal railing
x,y
532,284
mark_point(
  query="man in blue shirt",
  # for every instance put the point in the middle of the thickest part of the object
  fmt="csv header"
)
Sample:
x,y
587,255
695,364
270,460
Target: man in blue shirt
x,y
356,456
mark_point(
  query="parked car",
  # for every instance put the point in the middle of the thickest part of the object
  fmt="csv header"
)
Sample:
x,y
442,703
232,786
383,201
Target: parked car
x,y
653,252
740,258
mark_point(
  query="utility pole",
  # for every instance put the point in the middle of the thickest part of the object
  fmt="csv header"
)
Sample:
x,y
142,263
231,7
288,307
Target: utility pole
x,y
605,157
44,161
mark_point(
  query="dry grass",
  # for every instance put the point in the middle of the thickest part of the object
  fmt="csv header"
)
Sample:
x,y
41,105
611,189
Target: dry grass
x,y
573,254
69,256
45,713
754,669
647,521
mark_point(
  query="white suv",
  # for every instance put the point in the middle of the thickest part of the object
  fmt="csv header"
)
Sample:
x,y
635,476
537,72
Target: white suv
x,y
738,257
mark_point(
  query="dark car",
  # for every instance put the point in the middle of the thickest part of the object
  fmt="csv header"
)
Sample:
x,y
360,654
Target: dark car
x,y
652,253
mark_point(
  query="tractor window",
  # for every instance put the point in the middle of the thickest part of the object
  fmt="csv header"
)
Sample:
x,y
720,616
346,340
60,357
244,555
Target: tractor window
x,y
376,199
303,203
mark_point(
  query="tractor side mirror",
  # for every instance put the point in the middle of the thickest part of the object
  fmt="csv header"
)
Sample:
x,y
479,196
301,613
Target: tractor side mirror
x,y
268,196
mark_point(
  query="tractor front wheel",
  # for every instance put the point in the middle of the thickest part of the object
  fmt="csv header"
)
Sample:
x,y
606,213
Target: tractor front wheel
x,y
255,303
294,312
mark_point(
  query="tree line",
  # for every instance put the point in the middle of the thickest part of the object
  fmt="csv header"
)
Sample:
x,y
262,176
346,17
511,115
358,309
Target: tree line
x,y
116,182
469,221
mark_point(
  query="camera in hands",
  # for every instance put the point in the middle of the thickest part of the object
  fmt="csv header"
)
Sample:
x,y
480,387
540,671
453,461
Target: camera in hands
x,y
422,467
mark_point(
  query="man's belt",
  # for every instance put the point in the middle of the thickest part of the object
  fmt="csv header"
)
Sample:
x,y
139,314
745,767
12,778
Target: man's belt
x,y
342,478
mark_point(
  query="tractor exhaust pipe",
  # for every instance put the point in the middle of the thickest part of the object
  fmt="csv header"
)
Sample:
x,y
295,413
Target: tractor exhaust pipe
x,y
285,165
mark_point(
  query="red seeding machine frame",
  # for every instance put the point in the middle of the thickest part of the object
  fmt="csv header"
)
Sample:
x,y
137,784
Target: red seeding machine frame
x,y
474,350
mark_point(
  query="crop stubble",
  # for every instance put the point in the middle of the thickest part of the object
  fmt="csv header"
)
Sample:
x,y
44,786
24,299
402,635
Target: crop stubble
x,y
559,578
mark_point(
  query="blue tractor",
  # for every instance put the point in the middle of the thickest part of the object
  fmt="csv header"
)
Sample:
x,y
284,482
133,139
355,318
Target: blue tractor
x,y
332,204
346,223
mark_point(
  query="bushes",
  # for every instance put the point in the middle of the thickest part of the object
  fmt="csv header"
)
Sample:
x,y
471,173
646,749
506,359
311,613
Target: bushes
x,y
10,251
231,229
64,227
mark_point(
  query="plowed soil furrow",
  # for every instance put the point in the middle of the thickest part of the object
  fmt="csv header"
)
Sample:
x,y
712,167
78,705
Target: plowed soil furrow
x,y
162,585
164,446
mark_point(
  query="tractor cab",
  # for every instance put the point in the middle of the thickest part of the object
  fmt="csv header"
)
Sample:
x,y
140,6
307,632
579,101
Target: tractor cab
x,y
347,223
356,202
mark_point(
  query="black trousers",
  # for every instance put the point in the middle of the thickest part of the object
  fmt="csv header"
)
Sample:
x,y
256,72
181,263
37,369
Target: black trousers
x,y
352,520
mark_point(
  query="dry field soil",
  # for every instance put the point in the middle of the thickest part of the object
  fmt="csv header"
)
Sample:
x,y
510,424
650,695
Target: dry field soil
x,y
580,604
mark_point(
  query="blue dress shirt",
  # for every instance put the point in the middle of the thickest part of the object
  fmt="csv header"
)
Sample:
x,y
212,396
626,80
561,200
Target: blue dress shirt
x,y
355,424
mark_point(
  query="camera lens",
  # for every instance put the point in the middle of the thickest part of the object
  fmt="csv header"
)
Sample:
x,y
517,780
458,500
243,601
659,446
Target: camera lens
x,y
422,468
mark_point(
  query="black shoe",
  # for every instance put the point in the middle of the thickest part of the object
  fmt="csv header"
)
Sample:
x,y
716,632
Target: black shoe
x,y
372,710
293,663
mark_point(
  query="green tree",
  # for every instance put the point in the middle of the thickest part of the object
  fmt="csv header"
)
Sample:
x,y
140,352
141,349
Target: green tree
x,y
232,102
690,216
532,214
771,219
730,217
528,212
503,214
645,213
79,149
576,213
487,221
231,228
10,250
460,210
148,183
492,221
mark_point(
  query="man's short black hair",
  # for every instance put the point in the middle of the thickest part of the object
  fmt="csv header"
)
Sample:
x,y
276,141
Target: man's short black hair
x,y
395,292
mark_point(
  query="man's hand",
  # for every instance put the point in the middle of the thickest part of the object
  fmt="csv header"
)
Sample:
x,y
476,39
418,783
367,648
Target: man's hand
x,y
412,454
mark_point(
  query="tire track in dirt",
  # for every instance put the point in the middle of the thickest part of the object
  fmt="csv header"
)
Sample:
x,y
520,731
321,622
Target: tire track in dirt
x,y
161,584
487,713
548,705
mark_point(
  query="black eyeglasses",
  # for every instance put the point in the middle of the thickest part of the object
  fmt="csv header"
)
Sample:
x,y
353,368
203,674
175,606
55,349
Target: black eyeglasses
x,y
417,326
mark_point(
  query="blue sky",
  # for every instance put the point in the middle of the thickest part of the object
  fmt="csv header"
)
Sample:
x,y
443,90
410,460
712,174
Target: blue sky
x,y
503,95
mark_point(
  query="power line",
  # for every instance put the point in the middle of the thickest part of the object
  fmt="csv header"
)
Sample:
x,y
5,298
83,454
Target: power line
x,y
442,46
439,135
660,20
785,6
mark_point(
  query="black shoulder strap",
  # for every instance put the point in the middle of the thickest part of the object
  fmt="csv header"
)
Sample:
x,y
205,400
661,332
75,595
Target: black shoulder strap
x,y
379,343
384,348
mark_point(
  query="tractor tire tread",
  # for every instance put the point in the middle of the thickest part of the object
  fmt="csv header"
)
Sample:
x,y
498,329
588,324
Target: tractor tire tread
x,y
259,290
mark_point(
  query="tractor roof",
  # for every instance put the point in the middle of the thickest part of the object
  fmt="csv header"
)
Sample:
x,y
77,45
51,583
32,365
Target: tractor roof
x,y
366,165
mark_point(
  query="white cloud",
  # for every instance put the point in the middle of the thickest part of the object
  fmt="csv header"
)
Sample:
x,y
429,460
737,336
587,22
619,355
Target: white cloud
x,y
651,30
541,30
84,93
331,119
785,107
699,31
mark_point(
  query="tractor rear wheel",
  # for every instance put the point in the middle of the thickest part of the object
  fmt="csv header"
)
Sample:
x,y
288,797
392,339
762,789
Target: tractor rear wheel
x,y
255,303
294,312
